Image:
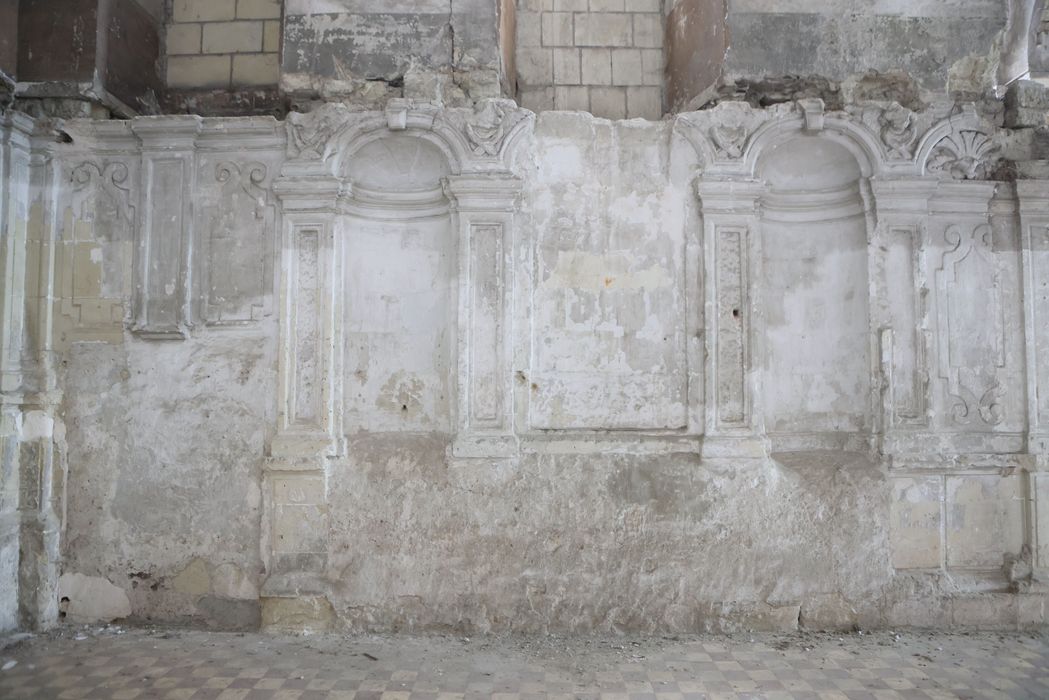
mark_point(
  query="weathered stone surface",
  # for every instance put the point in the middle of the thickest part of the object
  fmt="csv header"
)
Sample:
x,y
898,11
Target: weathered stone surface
x,y
299,615
1027,105
335,48
767,42
428,368
91,599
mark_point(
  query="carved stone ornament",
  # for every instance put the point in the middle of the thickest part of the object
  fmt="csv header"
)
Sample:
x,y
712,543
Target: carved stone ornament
x,y
730,133
309,134
227,171
487,129
966,154
898,130
971,326
112,179
813,111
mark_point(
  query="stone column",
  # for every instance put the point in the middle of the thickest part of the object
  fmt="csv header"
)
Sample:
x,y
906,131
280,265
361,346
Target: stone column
x,y
483,211
30,478
309,430
15,131
1033,196
732,260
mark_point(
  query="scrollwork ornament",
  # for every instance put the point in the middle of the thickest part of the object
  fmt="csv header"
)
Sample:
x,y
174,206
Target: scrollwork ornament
x,y
228,172
112,179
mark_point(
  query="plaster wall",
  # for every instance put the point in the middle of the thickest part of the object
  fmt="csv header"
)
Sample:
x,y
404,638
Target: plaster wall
x,y
476,370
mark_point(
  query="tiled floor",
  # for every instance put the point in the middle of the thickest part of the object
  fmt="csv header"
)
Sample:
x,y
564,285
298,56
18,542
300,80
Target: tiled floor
x,y
143,663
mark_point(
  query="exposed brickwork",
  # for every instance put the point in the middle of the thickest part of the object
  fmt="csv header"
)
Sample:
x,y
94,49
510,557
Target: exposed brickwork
x,y
602,56
223,44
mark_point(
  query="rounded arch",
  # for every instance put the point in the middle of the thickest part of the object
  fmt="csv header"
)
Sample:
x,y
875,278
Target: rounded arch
x,y
808,163
352,141
856,140
409,163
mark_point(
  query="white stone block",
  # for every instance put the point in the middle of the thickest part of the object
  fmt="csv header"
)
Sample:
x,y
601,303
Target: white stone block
x,y
535,66
204,10
596,66
648,30
557,29
258,9
572,98
644,103
232,37
271,37
566,66
529,29
603,30
183,39
537,99
198,71
652,66
626,67
609,103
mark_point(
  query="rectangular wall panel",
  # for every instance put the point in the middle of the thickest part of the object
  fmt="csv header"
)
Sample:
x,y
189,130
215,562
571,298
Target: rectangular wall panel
x,y
161,246
307,384
731,320
905,302
1040,310
487,291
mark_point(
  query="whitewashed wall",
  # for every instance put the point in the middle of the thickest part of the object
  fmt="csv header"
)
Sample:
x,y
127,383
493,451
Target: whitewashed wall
x,y
443,368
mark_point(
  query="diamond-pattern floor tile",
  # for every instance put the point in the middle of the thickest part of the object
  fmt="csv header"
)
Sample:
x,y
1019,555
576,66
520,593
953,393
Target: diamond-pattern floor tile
x,y
141,664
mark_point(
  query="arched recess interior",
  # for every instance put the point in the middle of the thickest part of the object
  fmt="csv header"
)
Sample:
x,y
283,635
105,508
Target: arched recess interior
x,y
815,305
401,289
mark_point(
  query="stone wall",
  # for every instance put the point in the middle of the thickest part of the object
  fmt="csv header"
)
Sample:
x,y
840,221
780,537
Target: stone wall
x,y
424,368
95,58
598,56
450,50
223,43
938,45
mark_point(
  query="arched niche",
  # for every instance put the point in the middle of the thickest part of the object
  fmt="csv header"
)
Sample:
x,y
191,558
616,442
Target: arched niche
x,y
814,292
400,288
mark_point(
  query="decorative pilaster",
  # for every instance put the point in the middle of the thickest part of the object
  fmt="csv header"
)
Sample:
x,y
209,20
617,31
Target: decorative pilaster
x,y
309,430
483,212
731,262
15,131
899,307
1033,196
162,297
30,477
